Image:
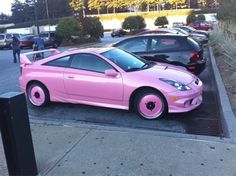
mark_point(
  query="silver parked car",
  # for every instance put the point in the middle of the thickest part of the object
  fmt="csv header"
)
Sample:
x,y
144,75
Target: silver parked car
x,y
6,40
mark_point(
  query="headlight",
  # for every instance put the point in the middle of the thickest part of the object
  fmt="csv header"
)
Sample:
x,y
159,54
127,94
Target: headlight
x,y
177,85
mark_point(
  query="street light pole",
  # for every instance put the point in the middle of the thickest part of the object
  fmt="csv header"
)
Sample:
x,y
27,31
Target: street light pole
x,y
36,16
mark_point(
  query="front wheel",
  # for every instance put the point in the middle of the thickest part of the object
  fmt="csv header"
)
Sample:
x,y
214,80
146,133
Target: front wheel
x,y
150,104
37,94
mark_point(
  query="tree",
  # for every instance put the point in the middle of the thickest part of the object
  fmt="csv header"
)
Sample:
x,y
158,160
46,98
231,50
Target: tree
x,y
161,21
4,18
176,2
201,17
115,4
21,12
134,23
93,27
68,27
78,7
96,4
191,18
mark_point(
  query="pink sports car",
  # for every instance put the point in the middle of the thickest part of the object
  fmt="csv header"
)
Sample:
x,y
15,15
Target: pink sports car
x,y
109,77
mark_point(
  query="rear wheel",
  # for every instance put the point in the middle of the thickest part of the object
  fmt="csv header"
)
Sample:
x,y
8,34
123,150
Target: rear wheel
x,y
150,104
37,94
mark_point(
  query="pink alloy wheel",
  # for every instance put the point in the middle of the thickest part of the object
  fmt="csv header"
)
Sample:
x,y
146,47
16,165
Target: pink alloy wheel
x,y
151,106
37,96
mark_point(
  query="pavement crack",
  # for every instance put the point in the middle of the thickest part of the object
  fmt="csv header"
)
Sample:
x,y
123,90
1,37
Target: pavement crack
x,y
65,154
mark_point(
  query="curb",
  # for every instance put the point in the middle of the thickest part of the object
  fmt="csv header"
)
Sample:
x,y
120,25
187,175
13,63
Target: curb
x,y
228,118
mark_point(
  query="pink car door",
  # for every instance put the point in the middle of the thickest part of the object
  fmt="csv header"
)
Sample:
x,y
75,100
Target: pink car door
x,y
85,80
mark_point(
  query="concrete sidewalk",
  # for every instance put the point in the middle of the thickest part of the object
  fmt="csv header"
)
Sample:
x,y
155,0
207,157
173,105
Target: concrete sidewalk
x,y
74,151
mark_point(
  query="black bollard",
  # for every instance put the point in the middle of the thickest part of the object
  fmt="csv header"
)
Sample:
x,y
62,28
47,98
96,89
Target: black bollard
x,y
16,135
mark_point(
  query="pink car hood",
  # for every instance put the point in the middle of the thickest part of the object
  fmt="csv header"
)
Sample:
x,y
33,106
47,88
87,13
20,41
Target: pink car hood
x,y
168,72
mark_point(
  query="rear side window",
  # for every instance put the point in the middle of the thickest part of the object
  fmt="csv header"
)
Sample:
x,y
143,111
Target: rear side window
x,y
90,62
8,36
134,45
61,62
168,43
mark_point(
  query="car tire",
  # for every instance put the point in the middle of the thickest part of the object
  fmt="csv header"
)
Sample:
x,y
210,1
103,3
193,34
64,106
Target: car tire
x,y
37,94
150,104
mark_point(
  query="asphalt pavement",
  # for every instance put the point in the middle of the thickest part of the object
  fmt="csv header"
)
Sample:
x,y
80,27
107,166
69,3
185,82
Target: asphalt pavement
x,y
71,139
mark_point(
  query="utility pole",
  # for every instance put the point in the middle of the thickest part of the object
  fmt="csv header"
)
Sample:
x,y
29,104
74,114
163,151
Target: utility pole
x,y
36,16
46,1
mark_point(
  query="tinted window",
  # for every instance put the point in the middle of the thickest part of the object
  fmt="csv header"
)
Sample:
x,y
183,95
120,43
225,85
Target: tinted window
x,y
2,37
8,36
166,43
16,35
90,62
52,34
62,62
134,45
124,60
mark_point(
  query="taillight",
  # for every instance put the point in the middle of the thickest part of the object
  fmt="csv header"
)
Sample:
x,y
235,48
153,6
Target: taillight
x,y
194,57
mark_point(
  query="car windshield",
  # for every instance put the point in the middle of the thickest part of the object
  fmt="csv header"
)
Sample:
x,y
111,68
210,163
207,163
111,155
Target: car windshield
x,y
43,35
126,61
182,31
1,37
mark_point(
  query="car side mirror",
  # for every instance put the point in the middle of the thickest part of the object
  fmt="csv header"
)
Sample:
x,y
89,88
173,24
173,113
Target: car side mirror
x,y
111,73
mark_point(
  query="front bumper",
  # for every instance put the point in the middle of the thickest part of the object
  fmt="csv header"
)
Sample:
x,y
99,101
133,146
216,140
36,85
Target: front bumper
x,y
184,101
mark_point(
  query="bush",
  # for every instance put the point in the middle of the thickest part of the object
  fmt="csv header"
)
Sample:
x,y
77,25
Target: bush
x,y
93,27
68,27
201,17
191,18
134,23
161,21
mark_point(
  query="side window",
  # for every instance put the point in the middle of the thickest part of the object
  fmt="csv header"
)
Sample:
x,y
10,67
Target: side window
x,y
61,62
90,62
52,34
154,44
8,36
135,45
166,43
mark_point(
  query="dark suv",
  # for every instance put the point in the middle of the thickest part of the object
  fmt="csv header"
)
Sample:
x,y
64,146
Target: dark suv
x,y
173,49
50,39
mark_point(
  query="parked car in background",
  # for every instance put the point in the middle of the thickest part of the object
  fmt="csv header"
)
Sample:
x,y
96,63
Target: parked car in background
x,y
109,77
118,33
177,24
27,41
191,30
173,49
51,39
6,39
158,31
201,25
202,39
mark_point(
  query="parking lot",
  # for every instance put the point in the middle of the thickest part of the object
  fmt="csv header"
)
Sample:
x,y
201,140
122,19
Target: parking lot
x,y
204,120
